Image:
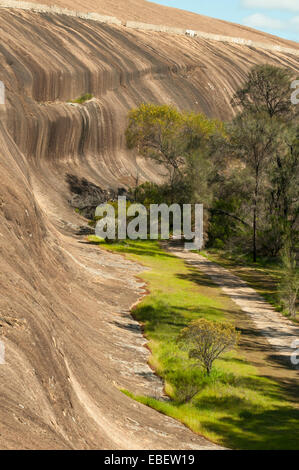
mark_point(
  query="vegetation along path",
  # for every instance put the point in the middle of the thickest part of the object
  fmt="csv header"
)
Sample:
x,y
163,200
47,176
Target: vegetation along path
x,y
279,331
249,401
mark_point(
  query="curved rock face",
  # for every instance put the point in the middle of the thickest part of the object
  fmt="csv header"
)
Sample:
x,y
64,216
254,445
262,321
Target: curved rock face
x,y
70,342
143,11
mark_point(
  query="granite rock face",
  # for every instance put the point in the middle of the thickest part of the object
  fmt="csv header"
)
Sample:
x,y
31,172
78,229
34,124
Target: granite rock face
x,y
70,342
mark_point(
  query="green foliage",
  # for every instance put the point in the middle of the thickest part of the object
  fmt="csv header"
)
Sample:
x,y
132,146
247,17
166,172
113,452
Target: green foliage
x,y
206,341
155,132
152,193
165,134
234,406
82,99
227,222
174,140
281,195
289,286
267,90
261,147
245,172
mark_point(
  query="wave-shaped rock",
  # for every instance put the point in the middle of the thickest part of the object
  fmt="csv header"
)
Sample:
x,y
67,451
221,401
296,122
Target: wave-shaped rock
x,y
64,306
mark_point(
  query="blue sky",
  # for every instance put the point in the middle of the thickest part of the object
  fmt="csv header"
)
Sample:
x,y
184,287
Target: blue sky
x,y
279,17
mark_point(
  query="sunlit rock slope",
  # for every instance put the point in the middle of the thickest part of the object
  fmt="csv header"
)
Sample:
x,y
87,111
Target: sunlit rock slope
x,y
64,305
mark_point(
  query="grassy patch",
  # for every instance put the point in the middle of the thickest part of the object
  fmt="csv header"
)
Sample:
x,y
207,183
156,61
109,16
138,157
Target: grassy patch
x,y
82,99
235,406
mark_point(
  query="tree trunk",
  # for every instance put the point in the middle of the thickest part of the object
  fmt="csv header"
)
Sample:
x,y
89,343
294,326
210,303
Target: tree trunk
x,y
256,192
254,234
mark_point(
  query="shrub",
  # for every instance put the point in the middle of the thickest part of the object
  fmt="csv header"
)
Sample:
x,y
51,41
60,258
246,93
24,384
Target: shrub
x,y
206,341
82,99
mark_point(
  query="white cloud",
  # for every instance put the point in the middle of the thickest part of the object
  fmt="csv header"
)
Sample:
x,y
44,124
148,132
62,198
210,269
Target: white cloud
x,y
260,21
264,22
295,22
291,5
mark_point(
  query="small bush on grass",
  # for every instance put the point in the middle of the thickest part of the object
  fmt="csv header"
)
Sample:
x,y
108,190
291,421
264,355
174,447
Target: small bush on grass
x,y
206,341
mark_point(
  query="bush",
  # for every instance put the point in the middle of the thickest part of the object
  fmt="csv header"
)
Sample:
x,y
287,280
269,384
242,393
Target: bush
x,y
82,99
206,341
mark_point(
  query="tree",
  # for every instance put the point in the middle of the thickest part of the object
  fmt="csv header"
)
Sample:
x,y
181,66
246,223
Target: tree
x,y
282,202
174,140
206,341
267,90
289,286
272,134
155,132
252,141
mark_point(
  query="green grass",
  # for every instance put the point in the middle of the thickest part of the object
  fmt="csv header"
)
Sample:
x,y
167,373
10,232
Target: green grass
x,y
82,99
235,406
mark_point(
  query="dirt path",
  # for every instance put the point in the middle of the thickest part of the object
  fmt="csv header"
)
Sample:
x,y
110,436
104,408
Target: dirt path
x,y
280,333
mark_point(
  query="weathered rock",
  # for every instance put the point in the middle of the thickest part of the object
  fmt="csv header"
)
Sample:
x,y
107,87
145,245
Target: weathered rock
x,y
66,301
